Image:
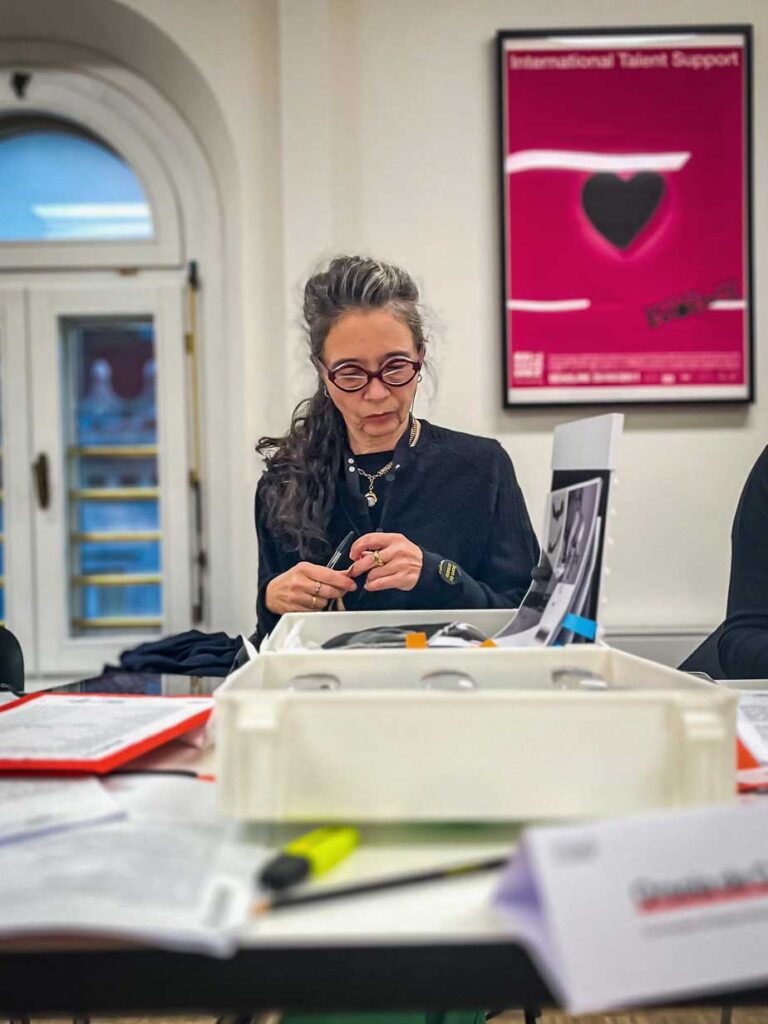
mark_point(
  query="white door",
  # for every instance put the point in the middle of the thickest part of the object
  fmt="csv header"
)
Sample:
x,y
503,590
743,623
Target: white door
x,y
18,599
101,473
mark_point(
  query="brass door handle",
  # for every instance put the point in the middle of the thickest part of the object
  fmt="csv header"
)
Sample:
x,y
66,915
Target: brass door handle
x,y
42,480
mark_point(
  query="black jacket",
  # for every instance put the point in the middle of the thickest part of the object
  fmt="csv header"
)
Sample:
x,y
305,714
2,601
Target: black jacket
x,y
743,642
457,497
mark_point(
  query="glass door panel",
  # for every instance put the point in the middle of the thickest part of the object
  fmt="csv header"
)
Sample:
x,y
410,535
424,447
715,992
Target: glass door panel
x,y
115,580
112,545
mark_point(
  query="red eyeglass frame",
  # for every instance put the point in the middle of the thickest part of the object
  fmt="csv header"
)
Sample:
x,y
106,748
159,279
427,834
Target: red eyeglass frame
x,y
332,374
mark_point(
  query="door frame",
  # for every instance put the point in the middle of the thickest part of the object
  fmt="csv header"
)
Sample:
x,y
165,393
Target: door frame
x,y
38,573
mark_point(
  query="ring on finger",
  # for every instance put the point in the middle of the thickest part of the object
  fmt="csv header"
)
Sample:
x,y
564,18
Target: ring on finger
x,y
378,560
318,584
314,601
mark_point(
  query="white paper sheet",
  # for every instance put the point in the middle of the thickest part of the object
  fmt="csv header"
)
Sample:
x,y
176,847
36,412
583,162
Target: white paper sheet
x,y
653,907
752,723
165,798
33,806
571,529
65,728
171,886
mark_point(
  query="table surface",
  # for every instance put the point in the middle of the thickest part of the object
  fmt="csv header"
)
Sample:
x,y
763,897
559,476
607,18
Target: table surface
x,y
436,946
433,946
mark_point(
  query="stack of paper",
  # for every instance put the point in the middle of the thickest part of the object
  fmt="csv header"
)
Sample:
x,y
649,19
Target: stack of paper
x,y
30,807
139,857
167,885
551,612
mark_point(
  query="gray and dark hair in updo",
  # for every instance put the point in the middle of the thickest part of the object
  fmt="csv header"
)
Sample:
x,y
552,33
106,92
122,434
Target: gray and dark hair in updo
x,y
299,488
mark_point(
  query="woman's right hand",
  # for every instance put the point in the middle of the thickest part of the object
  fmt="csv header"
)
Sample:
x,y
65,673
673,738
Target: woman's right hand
x,y
306,588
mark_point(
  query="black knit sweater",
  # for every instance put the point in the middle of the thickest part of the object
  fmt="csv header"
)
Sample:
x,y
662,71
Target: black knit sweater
x,y
457,497
743,643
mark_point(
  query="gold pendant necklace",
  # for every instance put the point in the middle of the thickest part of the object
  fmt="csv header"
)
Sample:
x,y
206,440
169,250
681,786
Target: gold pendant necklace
x,y
370,494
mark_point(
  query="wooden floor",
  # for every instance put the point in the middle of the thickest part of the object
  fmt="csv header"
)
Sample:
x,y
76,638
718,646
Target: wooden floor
x,y
704,1015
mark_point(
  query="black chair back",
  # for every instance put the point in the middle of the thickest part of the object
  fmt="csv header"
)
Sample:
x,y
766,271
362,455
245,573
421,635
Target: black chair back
x,y
11,662
705,658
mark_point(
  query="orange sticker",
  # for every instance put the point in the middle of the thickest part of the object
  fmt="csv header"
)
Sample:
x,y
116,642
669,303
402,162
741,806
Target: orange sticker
x,y
415,641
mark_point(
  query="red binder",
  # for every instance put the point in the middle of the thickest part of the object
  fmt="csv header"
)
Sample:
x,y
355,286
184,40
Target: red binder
x,y
106,730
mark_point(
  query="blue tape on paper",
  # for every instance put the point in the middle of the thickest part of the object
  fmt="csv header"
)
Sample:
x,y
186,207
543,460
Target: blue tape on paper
x,y
581,626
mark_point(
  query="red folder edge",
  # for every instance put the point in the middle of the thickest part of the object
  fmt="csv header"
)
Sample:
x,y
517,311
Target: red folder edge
x,y
744,756
105,764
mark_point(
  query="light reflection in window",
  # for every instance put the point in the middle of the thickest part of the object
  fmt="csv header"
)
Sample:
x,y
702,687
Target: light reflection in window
x,y
58,183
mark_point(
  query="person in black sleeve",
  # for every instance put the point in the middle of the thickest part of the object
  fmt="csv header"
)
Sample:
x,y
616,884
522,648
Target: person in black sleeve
x,y
743,639
439,517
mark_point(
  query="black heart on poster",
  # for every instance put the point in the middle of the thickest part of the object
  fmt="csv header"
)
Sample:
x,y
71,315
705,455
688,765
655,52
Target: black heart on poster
x,y
619,208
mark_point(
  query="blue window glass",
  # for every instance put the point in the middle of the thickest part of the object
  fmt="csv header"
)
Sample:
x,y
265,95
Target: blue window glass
x,y
120,556
100,603
2,522
109,515
112,467
59,183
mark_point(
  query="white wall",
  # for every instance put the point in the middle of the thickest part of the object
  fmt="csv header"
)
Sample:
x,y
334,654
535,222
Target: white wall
x,y
413,176
369,125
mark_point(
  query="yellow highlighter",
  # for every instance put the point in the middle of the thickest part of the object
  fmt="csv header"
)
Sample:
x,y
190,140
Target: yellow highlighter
x,y
312,854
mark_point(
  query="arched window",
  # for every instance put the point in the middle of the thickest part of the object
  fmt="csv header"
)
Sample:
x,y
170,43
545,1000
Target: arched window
x,y
83,182
59,182
96,557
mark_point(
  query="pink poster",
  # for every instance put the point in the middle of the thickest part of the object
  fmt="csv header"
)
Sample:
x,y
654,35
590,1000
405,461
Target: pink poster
x,y
626,196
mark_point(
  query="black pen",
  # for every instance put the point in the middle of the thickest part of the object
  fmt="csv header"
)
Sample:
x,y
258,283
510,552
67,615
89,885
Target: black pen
x,y
332,562
280,901
340,550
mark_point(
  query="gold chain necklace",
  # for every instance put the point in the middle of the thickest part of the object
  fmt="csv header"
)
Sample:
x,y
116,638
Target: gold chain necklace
x,y
370,494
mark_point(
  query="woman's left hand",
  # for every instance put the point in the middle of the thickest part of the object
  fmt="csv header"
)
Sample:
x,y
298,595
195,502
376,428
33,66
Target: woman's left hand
x,y
391,560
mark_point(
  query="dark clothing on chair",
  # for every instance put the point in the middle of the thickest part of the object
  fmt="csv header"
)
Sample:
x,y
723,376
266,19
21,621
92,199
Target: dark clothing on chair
x,y
453,494
192,653
705,658
743,644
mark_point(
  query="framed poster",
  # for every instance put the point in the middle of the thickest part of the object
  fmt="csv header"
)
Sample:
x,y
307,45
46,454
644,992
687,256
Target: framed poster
x,y
626,185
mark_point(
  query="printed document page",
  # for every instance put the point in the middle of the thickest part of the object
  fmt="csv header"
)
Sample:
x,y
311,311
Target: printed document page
x,y
32,806
565,573
72,728
167,885
753,723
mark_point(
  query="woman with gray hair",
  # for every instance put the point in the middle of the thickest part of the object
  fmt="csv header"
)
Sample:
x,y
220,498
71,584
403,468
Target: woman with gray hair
x,y
438,516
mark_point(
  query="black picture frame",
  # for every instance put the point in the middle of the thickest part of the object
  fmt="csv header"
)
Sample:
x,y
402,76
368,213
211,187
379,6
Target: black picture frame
x,y
721,375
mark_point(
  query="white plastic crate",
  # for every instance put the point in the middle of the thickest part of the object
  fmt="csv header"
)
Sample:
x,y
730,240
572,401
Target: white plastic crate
x,y
316,628
381,747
